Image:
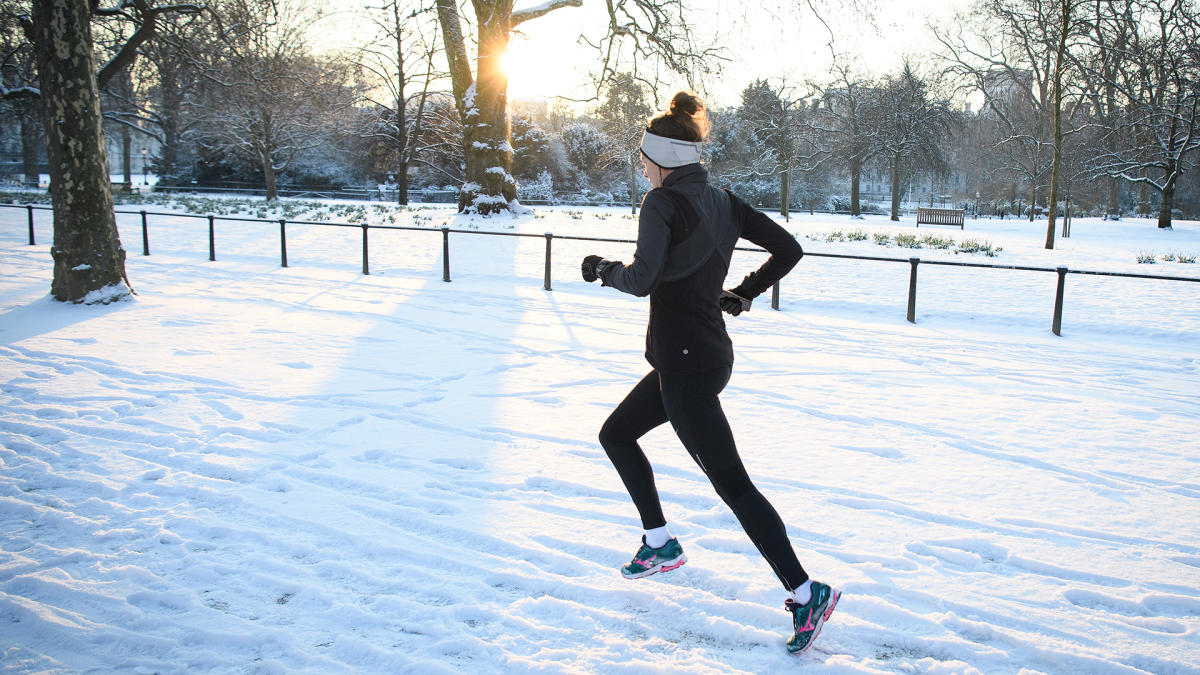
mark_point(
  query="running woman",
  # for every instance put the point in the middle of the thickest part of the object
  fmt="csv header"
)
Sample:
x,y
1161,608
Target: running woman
x,y
686,235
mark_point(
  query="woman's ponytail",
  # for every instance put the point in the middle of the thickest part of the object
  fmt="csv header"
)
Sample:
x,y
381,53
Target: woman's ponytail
x,y
686,120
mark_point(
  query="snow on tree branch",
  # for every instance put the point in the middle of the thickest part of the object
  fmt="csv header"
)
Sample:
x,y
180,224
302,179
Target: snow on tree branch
x,y
522,15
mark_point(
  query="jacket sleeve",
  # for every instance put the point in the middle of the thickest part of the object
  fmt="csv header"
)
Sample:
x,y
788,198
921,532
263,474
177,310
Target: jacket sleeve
x,y
650,258
757,228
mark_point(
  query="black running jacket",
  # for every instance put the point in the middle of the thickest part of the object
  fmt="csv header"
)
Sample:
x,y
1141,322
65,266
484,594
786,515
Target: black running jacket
x,y
683,251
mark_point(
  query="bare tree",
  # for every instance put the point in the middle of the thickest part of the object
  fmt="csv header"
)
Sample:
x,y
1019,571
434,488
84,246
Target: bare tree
x,y
912,129
271,99
1010,57
168,83
1160,92
1063,24
400,64
438,148
772,138
846,120
625,113
89,261
1103,56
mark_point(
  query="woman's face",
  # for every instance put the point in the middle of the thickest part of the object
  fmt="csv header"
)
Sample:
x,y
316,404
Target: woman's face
x,y
653,172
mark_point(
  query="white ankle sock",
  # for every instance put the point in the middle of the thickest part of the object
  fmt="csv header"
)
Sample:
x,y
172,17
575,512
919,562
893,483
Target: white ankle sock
x,y
658,537
803,593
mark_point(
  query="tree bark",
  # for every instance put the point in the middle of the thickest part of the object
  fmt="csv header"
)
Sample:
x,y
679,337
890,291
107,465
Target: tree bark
x,y
461,79
1168,199
489,153
1056,164
89,261
855,179
126,155
268,169
785,188
171,101
896,188
401,111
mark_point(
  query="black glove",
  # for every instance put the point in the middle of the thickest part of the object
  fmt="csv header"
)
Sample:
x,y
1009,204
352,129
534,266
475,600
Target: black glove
x,y
593,267
732,303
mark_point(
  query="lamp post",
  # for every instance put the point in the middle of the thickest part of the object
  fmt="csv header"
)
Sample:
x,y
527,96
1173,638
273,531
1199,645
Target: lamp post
x,y
143,166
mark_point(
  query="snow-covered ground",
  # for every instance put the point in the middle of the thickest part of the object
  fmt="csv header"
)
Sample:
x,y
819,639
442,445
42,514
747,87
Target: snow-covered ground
x,y
251,468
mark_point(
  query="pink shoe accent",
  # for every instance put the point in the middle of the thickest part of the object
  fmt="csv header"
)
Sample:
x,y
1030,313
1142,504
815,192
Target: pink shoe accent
x,y
676,565
808,624
833,601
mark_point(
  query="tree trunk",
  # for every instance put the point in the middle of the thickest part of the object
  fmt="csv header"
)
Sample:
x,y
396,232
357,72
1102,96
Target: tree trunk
x,y
1168,201
124,87
785,190
168,160
896,188
1056,163
461,80
268,169
855,178
1113,193
1113,198
1032,198
402,184
172,103
89,261
126,155
490,185
401,111
30,137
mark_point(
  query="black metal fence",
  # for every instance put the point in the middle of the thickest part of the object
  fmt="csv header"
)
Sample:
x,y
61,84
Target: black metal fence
x,y
914,262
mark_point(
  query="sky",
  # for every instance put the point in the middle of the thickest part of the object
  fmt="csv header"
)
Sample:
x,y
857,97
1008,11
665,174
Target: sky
x,y
776,41
780,40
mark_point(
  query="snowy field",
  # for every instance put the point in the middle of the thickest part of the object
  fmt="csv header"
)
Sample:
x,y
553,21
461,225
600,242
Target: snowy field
x,y
251,468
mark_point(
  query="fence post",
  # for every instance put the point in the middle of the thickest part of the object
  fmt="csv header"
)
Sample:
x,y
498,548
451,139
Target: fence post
x,y
366,266
145,235
212,240
775,296
445,254
912,290
32,242
549,238
283,241
1056,326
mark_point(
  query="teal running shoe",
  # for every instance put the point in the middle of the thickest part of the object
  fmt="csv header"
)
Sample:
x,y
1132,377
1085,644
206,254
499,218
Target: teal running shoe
x,y
809,618
654,560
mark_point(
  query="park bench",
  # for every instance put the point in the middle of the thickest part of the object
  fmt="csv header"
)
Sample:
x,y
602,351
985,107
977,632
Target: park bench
x,y
126,188
940,217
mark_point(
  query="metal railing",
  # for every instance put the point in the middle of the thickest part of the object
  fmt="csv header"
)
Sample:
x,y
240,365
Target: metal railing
x,y
914,262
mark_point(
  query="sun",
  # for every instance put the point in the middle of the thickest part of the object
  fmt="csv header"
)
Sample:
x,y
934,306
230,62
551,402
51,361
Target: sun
x,y
540,69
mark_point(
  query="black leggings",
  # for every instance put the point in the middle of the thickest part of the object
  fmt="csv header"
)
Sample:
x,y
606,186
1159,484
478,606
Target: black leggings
x,y
690,403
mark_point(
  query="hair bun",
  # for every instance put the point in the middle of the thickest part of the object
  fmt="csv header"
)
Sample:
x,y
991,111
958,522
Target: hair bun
x,y
686,120
686,103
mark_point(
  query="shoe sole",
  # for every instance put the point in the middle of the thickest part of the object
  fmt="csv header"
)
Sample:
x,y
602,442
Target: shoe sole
x,y
834,596
666,566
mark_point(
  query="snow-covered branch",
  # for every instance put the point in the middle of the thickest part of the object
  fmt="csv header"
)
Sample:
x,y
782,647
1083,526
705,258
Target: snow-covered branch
x,y
522,15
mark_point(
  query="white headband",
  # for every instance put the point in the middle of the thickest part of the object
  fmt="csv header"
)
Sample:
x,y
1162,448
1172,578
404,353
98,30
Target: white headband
x,y
669,153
